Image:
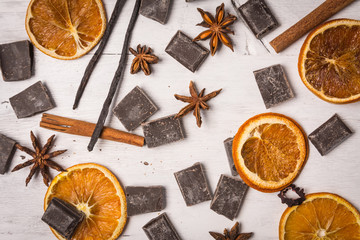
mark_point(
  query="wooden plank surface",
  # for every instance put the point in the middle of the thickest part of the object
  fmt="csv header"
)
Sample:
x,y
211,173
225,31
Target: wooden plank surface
x,y
338,172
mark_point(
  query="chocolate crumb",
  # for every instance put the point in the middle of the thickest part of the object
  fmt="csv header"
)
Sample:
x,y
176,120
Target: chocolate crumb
x,y
146,163
22,157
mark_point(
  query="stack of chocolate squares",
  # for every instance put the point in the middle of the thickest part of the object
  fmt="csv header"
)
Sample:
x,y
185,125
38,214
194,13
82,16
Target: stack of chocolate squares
x,y
136,107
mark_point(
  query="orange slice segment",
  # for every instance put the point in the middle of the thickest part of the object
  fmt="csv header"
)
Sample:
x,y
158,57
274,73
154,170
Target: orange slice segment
x,y
94,190
65,29
269,151
322,216
329,61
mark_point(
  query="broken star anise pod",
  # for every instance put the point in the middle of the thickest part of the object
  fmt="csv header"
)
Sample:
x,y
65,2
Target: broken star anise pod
x,y
234,234
41,159
196,102
218,28
143,57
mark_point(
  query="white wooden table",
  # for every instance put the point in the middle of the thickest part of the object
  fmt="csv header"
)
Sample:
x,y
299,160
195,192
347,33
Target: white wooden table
x,y
22,207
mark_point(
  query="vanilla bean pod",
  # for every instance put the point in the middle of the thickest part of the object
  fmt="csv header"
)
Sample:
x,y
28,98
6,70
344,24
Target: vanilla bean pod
x,y
116,80
91,66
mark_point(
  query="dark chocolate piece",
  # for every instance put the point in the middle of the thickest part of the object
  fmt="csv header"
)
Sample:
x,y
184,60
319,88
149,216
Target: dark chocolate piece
x,y
273,85
144,199
34,99
185,51
157,10
162,131
160,228
193,185
16,60
7,149
228,148
228,196
134,109
118,77
330,135
62,217
257,16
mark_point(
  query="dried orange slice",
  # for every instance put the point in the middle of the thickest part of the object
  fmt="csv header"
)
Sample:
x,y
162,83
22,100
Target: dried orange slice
x,y
269,151
65,29
322,216
94,190
329,61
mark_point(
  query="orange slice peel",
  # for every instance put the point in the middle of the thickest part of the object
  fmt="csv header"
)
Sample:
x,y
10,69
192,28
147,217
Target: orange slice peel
x,y
322,216
269,151
329,61
65,29
94,190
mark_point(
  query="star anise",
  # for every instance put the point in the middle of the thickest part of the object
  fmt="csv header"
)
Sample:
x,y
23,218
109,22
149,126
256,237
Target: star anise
x,y
234,234
41,159
218,28
196,102
143,57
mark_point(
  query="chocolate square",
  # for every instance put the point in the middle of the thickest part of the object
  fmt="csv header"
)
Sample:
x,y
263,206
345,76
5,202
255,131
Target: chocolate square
x,y
16,60
62,217
330,135
258,17
228,148
7,150
134,109
144,199
34,99
162,131
157,10
160,228
185,51
193,185
273,85
228,196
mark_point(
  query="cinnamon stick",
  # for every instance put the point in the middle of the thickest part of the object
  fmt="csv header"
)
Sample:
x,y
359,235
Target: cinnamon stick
x,y
310,21
82,128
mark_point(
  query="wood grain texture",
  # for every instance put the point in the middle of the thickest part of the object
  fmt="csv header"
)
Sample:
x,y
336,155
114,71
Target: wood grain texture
x,y
338,172
306,24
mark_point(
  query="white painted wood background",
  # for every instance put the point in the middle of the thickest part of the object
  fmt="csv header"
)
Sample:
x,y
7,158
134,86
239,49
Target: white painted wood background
x,y
22,207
